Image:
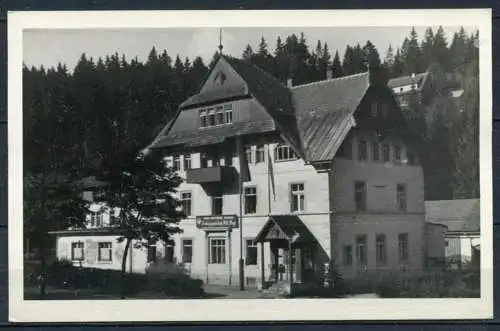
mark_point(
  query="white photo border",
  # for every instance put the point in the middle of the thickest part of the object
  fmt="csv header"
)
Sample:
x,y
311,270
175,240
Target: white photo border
x,y
21,310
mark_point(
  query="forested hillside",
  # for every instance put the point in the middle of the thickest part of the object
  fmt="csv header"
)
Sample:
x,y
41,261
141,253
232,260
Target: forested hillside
x,y
73,120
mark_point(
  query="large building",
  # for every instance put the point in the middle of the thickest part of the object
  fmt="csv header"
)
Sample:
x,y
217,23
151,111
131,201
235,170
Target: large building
x,y
290,178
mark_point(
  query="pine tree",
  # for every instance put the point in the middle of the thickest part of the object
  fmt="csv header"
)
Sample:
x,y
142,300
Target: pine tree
x,y
337,66
426,47
348,62
372,57
263,48
389,57
439,51
410,53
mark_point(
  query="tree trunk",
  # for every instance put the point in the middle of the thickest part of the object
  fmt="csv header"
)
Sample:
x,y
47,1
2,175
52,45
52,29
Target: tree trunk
x,y
124,268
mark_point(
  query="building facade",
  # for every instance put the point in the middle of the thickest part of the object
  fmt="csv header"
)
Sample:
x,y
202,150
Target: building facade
x,y
407,87
292,180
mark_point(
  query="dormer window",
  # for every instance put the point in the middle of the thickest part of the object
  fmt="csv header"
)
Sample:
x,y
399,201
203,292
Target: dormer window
x,y
96,219
216,116
284,153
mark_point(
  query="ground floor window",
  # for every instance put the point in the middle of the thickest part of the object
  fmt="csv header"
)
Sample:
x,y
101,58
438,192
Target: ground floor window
x,y
403,247
361,250
77,251
104,252
217,251
151,253
187,250
251,252
381,250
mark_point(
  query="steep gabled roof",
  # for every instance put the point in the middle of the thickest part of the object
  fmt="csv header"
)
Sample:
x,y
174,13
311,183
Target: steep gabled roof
x,y
324,113
458,215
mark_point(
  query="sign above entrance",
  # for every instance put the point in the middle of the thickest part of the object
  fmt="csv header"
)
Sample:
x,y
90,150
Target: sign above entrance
x,y
218,222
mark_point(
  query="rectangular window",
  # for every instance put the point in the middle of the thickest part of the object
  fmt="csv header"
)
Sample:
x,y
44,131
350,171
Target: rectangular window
x,y
361,250
251,252
187,162
401,196
228,113
249,154
284,153
203,160
362,152
375,151
169,253
297,197
360,195
347,255
203,118
345,150
186,203
112,217
104,252
374,109
96,219
386,152
151,253
77,251
177,163
187,250
219,116
211,117
397,153
259,154
228,159
403,247
217,251
217,204
381,249
250,194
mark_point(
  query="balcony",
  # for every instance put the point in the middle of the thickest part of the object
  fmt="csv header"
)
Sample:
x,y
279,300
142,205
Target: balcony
x,y
221,174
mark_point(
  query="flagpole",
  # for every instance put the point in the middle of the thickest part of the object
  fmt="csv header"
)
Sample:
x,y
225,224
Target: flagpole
x,y
269,180
241,265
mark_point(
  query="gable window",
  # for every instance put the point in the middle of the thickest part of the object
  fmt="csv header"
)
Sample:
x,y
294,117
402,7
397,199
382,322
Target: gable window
x,y
96,219
284,153
187,250
228,113
345,150
403,247
397,154
186,203
297,197
250,200
361,250
77,251
259,154
104,252
203,118
251,252
401,196
211,116
217,251
360,195
187,161
217,203
386,152
375,151
177,163
347,255
381,249
362,150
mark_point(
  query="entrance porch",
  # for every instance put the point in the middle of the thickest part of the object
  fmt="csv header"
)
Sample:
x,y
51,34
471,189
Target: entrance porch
x,y
292,246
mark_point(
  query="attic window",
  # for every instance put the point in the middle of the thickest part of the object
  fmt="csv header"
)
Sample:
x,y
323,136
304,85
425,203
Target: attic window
x,y
220,115
284,153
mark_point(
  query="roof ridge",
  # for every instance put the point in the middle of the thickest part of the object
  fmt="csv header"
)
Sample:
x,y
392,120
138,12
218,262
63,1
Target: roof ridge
x,y
258,68
330,80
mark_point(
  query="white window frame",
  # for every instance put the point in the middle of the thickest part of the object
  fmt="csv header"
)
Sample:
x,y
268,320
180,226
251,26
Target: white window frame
x,y
381,248
221,257
182,198
183,245
401,196
228,113
300,193
260,154
109,249
75,245
187,162
250,244
283,153
359,251
251,194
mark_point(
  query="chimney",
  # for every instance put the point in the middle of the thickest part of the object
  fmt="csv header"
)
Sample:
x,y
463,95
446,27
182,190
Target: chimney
x,y
329,73
289,83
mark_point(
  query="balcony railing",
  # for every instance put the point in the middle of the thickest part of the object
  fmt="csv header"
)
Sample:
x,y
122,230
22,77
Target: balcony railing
x,y
221,174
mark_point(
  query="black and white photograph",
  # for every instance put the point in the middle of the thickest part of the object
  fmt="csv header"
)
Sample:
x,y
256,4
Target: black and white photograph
x,y
172,166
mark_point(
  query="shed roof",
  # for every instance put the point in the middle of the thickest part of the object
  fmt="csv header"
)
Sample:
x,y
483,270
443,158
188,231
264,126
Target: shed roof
x,y
458,215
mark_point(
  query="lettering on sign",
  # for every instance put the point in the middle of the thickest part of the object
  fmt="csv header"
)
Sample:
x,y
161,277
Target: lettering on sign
x,y
222,221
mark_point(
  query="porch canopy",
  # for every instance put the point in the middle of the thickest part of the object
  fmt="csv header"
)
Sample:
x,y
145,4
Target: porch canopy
x,y
285,227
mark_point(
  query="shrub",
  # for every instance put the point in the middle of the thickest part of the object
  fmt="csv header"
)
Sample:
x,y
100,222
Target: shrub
x,y
172,280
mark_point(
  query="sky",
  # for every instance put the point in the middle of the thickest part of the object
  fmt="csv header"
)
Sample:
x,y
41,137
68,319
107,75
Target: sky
x,y
49,47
